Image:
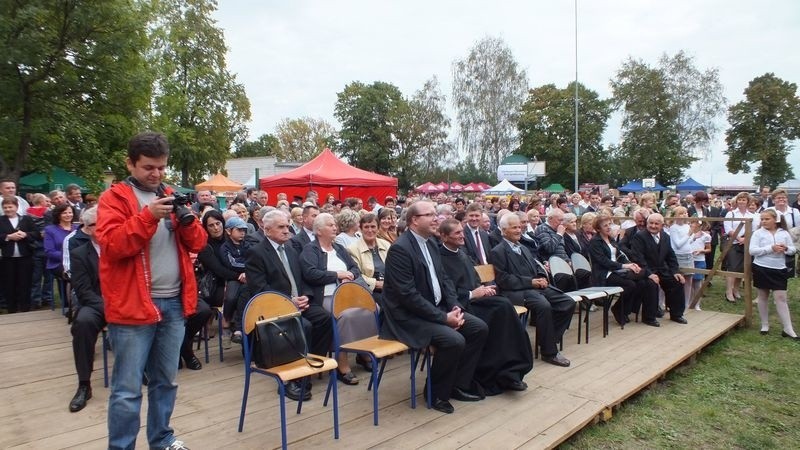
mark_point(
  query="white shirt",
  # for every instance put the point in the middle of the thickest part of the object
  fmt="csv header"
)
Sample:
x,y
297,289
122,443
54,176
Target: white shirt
x,y
761,248
791,215
699,244
679,238
731,225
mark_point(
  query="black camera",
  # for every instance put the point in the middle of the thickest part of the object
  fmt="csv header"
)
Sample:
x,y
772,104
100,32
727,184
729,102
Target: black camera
x,y
179,202
378,276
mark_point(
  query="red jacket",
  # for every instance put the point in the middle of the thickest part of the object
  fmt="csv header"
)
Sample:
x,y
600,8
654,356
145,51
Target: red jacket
x,y
124,232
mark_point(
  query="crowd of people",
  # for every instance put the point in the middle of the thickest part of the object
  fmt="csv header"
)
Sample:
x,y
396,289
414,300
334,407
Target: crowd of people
x,y
135,266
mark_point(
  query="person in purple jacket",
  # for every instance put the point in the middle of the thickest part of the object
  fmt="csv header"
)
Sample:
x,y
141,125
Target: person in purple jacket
x,y
54,235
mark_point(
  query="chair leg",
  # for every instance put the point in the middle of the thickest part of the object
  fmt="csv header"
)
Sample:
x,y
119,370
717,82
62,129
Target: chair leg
x,y
580,319
244,397
428,394
413,362
219,333
332,381
374,383
282,391
105,358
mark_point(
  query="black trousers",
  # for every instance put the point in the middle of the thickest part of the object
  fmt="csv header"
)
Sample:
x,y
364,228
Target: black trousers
x,y
194,324
321,338
15,281
552,313
636,293
86,326
673,295
457,355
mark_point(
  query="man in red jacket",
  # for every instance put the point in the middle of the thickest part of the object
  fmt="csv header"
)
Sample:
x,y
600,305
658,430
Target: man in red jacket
x,y
148,286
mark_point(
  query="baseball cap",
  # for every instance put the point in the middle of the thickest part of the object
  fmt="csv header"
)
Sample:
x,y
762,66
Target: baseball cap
x,y
235,222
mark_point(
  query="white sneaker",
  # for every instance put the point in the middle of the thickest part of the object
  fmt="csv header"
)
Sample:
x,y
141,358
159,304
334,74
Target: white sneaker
x,y
697,308
177,445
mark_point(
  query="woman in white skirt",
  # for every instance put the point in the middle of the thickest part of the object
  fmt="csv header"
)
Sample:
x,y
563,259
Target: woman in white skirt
x,y
680,237
769,246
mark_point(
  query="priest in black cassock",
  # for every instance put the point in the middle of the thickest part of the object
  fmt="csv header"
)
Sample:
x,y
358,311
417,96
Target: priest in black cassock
x,y
507,355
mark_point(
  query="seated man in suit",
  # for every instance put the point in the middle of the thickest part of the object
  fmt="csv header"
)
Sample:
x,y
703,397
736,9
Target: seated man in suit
x,y
273,265
421,309
306,233
626,237
524,281
654,249
89,318
507,356
476,240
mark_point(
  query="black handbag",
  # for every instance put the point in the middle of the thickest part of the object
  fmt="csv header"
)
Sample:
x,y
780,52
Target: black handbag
x,y
279,341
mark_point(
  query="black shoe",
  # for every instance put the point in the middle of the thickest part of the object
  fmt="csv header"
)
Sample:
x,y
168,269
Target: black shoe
x,y
442,406
516,385
652,323
660,313
680,319
192,362
464,396
293,391
236,337
556,360
764,332
78,402
786,335
364,362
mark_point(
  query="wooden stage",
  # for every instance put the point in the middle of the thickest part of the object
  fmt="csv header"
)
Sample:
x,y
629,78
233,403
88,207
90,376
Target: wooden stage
x,y
39,380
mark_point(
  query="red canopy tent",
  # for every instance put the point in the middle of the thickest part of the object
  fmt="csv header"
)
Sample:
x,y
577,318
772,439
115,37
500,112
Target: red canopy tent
x,y
428,188
327,174
455,186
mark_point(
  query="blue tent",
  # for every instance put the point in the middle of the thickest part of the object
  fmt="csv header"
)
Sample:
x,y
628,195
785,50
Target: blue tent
x,y
636,186
690,185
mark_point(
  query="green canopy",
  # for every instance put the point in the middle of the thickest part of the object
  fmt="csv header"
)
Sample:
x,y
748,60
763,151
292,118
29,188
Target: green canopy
x,y
58,178
555,187
181,189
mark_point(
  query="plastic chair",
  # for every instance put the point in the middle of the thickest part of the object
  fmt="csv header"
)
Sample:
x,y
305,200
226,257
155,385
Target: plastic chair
x,y
559,266
269,305
614,293
352,295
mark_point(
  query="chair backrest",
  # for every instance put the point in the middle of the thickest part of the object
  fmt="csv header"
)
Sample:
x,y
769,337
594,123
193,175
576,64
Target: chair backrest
x,y
485,272
267,305
352,295
580,262
558,265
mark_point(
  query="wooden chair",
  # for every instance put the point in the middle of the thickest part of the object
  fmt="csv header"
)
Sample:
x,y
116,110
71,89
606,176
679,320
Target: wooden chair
x,y
269,305
613,293
486,276
352,295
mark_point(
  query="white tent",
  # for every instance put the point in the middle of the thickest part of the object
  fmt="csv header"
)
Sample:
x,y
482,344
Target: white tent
x,y
504,187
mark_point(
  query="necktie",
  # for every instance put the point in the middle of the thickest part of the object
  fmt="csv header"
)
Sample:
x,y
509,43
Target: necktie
x,y
479,244
285,261
516,249
437,290
657,238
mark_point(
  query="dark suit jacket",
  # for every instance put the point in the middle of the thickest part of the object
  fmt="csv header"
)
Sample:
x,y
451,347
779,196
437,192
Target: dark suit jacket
x,y
654,258
410,314
625,240
601,259
314,263
471,247
25,224
85,276
513,273
265,272
299,240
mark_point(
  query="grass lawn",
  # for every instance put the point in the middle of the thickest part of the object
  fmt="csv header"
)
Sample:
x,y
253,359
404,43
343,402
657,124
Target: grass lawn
x,y
742,392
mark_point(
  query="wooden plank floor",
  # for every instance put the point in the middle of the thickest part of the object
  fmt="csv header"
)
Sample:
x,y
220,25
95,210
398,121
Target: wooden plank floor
x,y
39,380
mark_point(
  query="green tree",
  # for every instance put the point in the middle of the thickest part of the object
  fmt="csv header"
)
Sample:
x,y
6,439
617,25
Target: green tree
x,y
73,84
422,144
265,145
488,90
199,104
547,131
650,144
761,126
303,139
369,115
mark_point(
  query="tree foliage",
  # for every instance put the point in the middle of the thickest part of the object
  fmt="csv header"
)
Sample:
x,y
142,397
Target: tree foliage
x,y
265,145
303,139
199,104
369,115
73,83
489,88
547,132
761,126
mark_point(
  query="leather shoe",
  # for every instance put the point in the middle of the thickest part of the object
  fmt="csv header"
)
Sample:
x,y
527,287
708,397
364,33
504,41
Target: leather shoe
x,y
364,362
516,385
680,319
786,335
464,396
660,313
442,406
78,402
652,323
556,360
192,362
293,391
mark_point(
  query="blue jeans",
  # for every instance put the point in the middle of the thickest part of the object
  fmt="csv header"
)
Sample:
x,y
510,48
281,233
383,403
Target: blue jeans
x,y
154,350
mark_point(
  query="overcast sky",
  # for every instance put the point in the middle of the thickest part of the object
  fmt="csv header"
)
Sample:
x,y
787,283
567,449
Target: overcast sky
x,y
294,56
